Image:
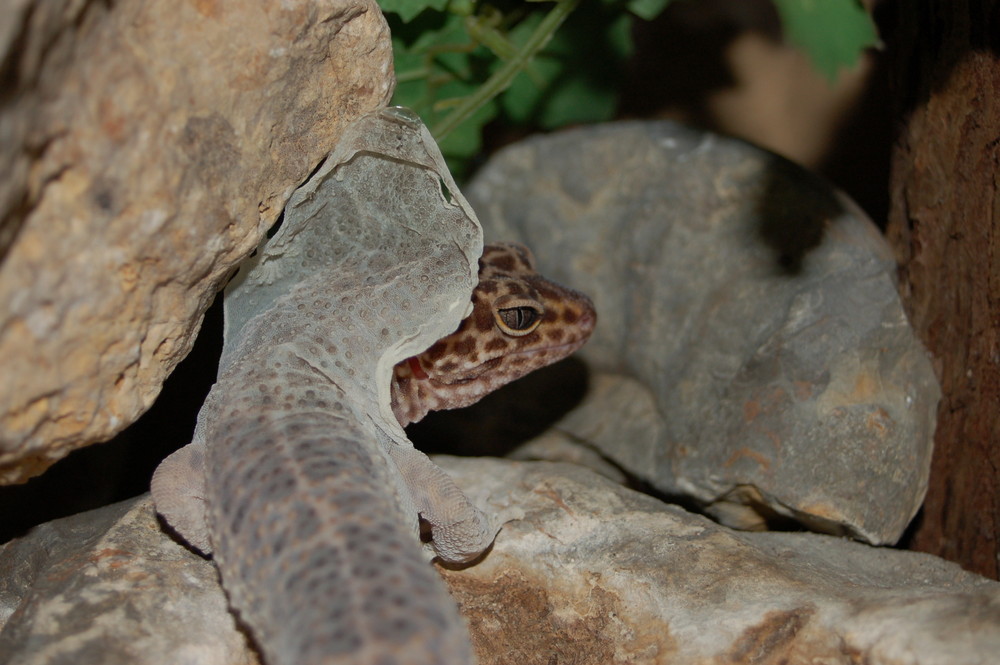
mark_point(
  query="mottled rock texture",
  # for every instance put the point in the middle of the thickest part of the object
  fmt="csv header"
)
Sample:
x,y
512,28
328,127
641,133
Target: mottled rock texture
x,y
584,571
109,586
755,352
146,148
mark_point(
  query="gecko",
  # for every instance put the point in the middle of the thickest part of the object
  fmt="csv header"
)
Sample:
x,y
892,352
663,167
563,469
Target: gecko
x,y
317,552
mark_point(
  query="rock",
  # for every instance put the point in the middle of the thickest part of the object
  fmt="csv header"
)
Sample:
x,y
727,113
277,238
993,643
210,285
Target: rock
x,y
584,571
147,148
750,313
109,586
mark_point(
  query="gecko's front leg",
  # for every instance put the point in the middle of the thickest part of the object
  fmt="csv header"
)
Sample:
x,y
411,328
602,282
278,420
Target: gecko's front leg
x,y
460,532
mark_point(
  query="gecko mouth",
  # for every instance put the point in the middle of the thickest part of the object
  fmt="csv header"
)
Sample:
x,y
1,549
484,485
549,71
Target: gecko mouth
x,y
478,371
570,346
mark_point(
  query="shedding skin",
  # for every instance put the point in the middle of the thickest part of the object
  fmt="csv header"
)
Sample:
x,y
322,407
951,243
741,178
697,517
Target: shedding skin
x,y
311,510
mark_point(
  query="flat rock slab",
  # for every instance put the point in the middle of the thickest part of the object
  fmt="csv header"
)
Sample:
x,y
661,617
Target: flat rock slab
x,y
584,571
752,352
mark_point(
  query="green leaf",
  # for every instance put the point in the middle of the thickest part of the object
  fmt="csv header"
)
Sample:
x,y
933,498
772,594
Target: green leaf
x,y
539,64
647,9
436,64
508,70
434,60
832,32
569,83
407,10
461,145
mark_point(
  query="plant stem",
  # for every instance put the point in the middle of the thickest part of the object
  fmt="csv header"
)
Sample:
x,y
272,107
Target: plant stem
x,y
503,77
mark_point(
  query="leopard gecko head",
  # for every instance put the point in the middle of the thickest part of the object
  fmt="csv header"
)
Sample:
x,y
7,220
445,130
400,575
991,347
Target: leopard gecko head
x,y
520,322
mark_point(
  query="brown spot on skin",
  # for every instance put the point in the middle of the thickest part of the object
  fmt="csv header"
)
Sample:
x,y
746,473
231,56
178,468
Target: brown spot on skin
x,y
448,366
439,349
555,335
496,344
527,258
464,346
505,263
484,319
551,316
546,292
532,339
570,316
488,287
516,289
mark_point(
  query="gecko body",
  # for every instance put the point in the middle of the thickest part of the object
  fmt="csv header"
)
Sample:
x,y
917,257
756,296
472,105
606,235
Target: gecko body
x,y
314,535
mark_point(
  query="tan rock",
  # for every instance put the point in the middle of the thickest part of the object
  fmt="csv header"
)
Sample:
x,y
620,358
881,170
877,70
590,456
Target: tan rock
x,y
147,148
585,571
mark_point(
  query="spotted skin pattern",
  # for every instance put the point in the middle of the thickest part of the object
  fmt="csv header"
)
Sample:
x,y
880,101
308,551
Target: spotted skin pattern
x,y
310,513
520,322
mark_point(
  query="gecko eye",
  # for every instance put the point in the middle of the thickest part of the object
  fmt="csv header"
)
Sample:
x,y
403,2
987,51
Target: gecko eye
x,y
517,316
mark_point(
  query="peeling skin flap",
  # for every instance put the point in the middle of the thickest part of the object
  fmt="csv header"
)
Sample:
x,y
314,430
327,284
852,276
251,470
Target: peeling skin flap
x,y
296,443
384,214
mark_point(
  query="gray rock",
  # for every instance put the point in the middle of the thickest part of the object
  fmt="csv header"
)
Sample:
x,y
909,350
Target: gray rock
x,y
109,587
585,571
749,312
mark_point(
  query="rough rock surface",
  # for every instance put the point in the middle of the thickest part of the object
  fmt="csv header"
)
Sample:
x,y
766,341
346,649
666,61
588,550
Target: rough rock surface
x,y
109,586
584,571
759,359
146,148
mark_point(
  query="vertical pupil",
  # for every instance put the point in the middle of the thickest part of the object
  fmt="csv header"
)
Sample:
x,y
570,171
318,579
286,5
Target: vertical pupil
x,y
518,318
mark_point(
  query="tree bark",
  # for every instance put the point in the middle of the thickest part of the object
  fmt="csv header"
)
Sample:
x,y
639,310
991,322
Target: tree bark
x,y
944,223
